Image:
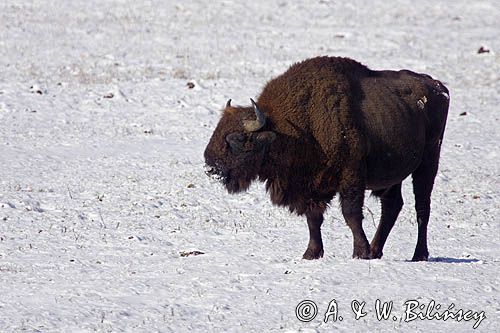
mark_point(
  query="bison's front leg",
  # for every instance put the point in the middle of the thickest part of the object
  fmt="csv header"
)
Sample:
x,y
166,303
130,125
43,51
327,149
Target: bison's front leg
x,y
315,247
352,209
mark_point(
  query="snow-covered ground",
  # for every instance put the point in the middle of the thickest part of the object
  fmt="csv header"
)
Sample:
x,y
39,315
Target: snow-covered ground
x,y
102,188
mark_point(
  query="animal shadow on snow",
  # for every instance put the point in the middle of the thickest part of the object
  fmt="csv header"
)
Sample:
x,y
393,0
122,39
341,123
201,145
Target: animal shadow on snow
x,y
448,260
453,260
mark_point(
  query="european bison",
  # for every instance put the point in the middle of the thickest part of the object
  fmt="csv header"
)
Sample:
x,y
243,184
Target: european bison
x,y
331,125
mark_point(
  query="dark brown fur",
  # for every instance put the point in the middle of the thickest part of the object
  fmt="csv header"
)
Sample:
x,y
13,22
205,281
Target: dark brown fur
x,y
335,126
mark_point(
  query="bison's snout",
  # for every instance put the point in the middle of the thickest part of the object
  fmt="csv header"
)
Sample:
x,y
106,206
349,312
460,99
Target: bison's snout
x,y
216,173
209,171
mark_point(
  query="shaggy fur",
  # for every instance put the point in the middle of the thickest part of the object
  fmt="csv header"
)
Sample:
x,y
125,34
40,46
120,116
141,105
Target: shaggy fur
x,y
335,126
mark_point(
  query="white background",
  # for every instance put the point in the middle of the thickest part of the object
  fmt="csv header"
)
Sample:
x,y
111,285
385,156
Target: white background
x,y
101,167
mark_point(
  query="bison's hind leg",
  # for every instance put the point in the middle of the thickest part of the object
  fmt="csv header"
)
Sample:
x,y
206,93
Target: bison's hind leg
x,y
314,222
392,202
423,181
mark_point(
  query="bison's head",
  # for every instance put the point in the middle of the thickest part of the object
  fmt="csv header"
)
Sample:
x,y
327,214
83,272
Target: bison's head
x,y
238,147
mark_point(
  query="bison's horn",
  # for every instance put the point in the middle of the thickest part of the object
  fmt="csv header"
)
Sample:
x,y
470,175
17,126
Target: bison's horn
x,y
257,124
228,104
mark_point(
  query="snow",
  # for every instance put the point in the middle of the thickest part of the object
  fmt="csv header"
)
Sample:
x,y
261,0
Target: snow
x,y
103,192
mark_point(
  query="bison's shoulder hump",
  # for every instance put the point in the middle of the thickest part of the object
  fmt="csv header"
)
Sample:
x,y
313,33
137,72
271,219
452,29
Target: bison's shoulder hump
x,y
338,65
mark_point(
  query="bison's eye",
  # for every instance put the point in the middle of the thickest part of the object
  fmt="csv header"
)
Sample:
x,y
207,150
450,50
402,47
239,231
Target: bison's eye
x,y
236,141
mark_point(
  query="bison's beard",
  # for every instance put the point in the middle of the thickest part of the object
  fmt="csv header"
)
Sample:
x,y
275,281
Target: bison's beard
x,y
236,184
233,180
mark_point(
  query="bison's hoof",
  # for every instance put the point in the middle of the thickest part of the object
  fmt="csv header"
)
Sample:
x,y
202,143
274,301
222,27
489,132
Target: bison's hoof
x,y
375,251
311,254
375,254
361,253
420,257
